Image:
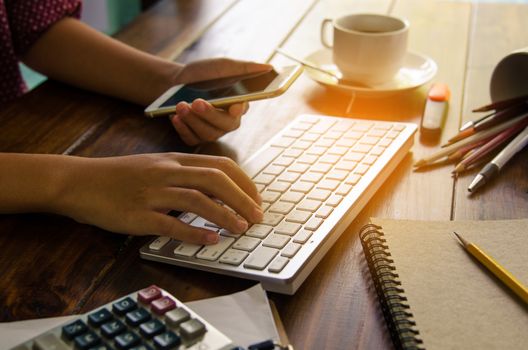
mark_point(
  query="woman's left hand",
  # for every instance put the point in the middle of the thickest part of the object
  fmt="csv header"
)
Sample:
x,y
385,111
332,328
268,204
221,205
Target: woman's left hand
x,y
200,121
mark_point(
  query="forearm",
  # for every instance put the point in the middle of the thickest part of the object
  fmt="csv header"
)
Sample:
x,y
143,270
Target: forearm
x,y
31,182
74,53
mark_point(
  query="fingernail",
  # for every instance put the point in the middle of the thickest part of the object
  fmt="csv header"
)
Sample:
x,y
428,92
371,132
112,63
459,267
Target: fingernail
x,y
183,110
200,106
211,238
242,225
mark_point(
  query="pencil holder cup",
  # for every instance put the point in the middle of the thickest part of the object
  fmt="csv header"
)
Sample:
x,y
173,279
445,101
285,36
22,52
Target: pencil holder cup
x,y
510,77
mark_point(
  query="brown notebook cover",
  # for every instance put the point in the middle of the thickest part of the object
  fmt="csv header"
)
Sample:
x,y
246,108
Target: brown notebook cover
x,y
436,296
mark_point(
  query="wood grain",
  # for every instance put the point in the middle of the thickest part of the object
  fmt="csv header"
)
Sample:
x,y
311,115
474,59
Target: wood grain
x,y
496,32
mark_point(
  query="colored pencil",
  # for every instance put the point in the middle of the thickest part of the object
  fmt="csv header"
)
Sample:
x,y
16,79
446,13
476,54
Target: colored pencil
x,y
501,104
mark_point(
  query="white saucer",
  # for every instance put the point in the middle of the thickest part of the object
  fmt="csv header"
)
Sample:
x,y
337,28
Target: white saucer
x,y
417,70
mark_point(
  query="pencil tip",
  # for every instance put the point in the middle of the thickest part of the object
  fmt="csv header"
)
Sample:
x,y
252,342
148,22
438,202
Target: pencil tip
x,y
419,163
462,240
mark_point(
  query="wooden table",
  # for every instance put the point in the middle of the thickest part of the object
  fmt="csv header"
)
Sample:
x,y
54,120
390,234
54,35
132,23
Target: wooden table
x,y
54,266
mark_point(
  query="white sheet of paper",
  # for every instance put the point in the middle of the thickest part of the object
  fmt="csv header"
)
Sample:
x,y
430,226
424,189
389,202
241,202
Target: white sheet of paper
x,y
245,317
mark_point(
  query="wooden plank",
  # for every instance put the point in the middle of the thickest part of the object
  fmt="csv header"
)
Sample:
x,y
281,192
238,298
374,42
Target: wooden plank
x,y
497,30
177,24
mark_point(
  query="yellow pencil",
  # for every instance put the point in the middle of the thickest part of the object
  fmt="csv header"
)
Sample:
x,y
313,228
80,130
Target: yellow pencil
x,y
494,267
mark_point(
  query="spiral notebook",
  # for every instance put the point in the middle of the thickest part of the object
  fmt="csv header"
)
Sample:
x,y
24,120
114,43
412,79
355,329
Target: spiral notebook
x,y
435,296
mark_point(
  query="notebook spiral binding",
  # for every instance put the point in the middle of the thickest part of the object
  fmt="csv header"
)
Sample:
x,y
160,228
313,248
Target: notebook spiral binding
x,y
393,302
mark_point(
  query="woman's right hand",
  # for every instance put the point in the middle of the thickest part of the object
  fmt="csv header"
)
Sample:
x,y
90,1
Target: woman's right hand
x,y
134,194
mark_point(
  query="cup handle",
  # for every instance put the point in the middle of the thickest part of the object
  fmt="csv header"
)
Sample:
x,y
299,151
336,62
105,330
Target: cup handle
x,y
324,25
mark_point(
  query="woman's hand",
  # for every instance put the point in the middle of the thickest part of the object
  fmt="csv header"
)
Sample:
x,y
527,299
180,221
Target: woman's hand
x,y
134,194
200,121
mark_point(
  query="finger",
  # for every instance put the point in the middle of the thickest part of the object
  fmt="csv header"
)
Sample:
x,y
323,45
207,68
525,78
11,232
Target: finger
x,y
226,165
186,134
203,130
237,110
194,201
166,225
218,184
216,117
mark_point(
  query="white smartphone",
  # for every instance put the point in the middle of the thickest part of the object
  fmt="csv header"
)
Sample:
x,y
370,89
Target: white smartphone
x,y
226,91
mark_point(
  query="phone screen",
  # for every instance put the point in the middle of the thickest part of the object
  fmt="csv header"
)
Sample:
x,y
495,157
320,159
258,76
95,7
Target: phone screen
x,y
223,87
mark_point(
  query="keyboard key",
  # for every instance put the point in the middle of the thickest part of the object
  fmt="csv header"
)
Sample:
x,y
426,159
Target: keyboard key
x,y
385,143
278,264
292,152
299,168
338,175
293,133
74,329
322,126
162,305
148,294
270,196
346,165
284,161
127,340
136,317
319,194
309,205
246,243
259,231
328,184
312,154
86,340
293,197
166,341
377,151
101,347
271,219
176,317
337,150
140,347
288,176
303,187
324,142
313,224
310,136
159,242
353,179
302,126
260,258
234,256
345,143
212,252
302,237
362,148
279,186
187,217
264,179
353,156
281,207
321,168
192,329
369,160
392,134
151,328
334,200
312,177
49,341
302,145
324,212
283,142
187,249
273,169
333,134
369,140
112,328
123,306
99,317
329,158
290,250
361,169
299,216
276,241
343,189
287,228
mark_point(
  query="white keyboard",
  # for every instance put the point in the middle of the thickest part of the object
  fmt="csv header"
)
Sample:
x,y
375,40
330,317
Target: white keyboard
x,y
314,176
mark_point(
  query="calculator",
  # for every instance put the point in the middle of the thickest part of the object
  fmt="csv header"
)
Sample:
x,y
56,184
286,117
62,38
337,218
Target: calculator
x,y
149,319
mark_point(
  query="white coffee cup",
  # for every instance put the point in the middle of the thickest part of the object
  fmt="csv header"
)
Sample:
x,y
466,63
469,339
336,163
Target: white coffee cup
x,y
367,48
510,77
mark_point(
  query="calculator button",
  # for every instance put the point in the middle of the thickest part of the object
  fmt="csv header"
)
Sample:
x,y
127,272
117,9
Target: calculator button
x,y
167,340
162,305
127,340
137,317
123,306
74,329
149,294
86,340
49,342
192,329
175,317
151,328
99,317
112,328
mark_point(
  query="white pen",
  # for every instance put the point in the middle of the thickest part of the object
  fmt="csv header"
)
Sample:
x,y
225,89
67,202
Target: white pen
x,y
493,167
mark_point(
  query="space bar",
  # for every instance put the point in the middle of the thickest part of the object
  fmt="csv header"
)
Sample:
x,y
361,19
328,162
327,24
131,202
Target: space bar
x,y
255,165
